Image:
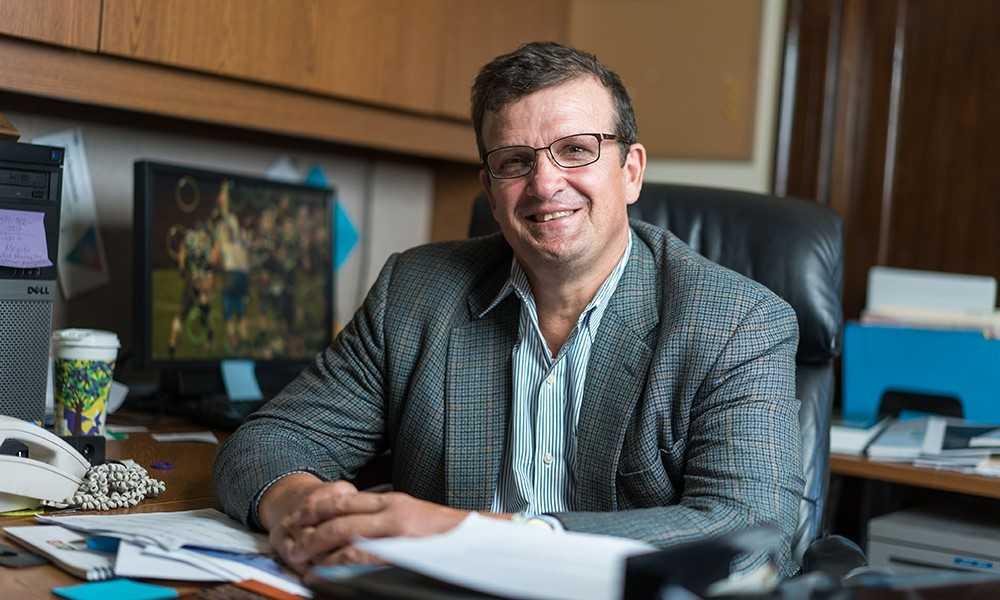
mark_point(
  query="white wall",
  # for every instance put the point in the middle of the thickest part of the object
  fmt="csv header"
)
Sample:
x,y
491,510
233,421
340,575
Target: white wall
x,y
755,174
396,198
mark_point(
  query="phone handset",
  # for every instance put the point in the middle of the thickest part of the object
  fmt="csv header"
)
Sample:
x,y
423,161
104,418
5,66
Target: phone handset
x,y
53,470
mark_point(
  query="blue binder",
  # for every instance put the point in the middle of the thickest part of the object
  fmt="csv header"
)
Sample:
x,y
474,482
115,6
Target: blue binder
x,y
964,364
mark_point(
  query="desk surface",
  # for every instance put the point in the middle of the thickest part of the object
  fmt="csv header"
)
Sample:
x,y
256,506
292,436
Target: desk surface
x,y
189,486
936,479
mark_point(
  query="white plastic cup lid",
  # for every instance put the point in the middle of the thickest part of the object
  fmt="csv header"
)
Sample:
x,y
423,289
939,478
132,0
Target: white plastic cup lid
x,y
86,338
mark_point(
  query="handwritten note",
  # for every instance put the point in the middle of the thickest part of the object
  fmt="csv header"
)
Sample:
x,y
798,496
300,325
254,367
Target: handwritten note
x,y
22,239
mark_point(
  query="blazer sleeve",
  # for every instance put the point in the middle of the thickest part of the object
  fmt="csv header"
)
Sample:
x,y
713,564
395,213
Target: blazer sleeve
x,y
743,463
329,421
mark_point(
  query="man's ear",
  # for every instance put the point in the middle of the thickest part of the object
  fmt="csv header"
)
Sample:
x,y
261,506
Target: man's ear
x,y
633,170
487,181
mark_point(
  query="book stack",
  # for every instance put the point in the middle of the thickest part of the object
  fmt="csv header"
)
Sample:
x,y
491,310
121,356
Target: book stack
x,y
937,442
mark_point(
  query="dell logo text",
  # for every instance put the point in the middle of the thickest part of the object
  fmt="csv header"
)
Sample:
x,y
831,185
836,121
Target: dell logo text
x,y
34,290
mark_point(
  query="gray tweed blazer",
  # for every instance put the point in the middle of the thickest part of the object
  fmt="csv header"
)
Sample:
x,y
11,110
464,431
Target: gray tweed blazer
x,y
689,421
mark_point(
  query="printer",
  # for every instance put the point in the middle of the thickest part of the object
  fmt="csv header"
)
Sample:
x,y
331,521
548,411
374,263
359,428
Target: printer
x,y
921,541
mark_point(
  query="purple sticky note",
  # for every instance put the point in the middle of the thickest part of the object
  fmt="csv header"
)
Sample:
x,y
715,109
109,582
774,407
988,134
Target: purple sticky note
x,y
22,239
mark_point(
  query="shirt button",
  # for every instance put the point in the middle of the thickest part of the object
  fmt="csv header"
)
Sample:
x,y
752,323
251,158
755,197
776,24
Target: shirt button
x,y
547,458
550,379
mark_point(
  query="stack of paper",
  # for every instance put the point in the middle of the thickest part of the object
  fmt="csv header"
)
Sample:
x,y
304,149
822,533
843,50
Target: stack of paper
x,y
901,441
932,300
510,560
197,545
937,442
849,436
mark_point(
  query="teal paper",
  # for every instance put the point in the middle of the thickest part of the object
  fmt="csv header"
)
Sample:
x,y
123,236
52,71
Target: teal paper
x,y
345,234
240,380
115,589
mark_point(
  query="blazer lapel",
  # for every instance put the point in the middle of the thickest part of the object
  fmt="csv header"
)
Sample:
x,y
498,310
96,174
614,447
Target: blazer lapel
x,y
616,374
478,396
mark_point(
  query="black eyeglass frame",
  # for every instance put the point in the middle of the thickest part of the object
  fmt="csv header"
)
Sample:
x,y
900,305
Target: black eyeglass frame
x,y
601,138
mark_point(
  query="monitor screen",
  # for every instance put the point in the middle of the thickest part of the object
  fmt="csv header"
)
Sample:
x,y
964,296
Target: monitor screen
x,y
230,266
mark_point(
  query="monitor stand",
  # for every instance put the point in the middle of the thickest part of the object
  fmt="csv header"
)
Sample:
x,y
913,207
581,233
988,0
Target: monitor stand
x,y
200,393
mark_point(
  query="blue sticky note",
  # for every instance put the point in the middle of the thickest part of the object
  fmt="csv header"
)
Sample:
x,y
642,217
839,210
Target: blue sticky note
x,y
240,380
115,589
108,545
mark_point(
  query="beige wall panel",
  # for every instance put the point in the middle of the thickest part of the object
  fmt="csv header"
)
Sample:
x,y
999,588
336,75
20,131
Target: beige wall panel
x,y
386,52
73,23
690,66
478,31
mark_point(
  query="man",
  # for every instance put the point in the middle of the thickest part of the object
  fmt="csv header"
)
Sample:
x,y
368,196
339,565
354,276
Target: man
x,y
576,372
194,263
231,246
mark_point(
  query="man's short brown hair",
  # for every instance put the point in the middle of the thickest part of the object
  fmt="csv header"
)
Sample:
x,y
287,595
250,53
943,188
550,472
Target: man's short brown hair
x,y
539,65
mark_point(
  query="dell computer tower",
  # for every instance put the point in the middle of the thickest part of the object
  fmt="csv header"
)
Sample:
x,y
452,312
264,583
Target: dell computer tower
x,y
30,197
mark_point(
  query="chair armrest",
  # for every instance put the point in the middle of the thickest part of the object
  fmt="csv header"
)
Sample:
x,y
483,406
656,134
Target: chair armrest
x,y
833,555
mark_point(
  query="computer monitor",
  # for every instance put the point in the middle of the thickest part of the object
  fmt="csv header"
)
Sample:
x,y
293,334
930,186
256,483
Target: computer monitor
x,y
229,266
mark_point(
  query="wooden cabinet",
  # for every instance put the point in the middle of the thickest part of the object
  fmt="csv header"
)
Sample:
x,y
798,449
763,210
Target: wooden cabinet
x,y
480,31
388,52
73,23
418,55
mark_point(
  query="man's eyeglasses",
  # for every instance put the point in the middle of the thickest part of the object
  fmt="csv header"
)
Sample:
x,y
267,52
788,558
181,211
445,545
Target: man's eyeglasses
x,y
568,152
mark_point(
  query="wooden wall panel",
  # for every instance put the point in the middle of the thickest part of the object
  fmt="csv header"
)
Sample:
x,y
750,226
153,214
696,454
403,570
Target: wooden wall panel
x,y
479,31
811,29
455,187
691,67
73,23
944,213
858,183
388,52
915,125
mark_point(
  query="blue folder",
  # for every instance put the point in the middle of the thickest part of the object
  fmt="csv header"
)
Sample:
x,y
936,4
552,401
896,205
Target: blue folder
x,y
964,364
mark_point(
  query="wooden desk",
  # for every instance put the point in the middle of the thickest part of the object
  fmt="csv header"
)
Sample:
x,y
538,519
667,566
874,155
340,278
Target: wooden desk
x,y
935,479
189,486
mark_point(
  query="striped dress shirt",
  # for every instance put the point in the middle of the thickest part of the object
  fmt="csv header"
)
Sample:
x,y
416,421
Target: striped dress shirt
x,y
536,476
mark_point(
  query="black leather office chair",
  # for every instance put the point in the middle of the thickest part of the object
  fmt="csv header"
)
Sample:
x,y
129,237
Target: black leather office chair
x,y
795,248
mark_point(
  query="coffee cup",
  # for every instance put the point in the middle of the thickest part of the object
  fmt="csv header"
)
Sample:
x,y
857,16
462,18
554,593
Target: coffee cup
x,y
83,362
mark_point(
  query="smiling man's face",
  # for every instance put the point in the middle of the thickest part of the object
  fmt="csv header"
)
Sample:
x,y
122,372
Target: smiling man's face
x,y
570,219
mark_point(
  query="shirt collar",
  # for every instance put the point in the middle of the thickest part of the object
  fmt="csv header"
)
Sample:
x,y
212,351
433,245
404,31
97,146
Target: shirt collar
x,y
518,282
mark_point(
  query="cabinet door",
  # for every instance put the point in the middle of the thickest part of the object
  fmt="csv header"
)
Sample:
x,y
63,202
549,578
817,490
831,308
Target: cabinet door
x,y
480,31
73,23
387,52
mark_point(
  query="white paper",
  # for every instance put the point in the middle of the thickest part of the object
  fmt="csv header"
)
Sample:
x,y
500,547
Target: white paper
x,y
132,562
82,264
23,243
511,559
65,547
127,428
189,565
953,292
207,528
284,169
187,436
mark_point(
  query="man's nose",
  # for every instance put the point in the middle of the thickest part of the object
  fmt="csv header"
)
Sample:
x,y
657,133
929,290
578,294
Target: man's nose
x,y
546,177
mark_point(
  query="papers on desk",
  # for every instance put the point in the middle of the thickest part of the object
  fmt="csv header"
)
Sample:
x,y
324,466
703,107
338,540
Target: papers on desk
x,y
936,442
206,528
195,545
513,560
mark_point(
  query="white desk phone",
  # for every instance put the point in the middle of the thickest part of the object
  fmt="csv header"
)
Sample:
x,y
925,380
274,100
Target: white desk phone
x,y
53,470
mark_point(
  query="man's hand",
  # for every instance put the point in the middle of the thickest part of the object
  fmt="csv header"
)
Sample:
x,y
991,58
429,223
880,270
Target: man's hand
x,y
290,494
322,529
